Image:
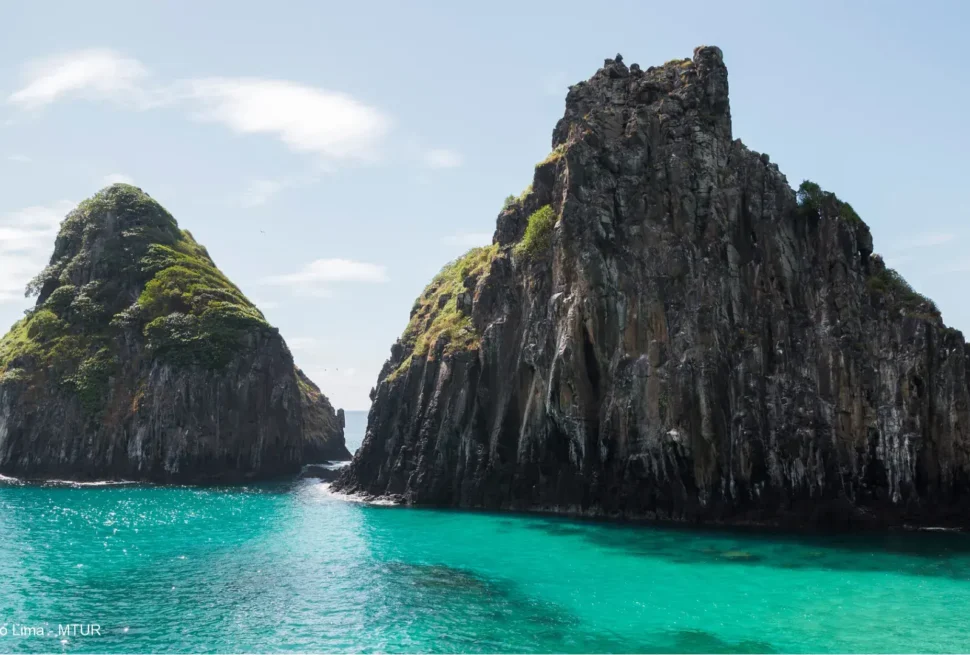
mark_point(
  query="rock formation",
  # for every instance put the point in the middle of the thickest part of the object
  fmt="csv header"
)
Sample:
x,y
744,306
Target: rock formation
x,y
663,328
142,361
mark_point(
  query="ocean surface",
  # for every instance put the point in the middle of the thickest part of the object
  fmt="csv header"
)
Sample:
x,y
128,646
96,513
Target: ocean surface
x,y
292,567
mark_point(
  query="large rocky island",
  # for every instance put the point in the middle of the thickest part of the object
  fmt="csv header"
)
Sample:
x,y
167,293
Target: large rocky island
x,y
663,328
142,361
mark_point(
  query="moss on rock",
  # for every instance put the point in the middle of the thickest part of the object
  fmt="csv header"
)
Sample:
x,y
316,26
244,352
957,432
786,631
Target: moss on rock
x,y
116,247
888,284
538,233
884,282
443,311
192,312
17,345
555,155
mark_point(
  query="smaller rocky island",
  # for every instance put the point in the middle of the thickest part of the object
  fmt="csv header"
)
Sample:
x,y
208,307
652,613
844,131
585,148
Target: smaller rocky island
x,y
141,360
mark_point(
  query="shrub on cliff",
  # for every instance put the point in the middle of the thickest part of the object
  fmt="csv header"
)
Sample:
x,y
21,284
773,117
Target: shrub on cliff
x,y
555,155
511,201
886,281
538,233
814,202
192,312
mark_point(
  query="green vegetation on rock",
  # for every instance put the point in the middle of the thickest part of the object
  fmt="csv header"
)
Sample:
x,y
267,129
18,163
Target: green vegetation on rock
x,y
511,201
888,282
814,202
538,233
121,267
555,155
13,375
104,238
192,312
91,377
443,311
17,345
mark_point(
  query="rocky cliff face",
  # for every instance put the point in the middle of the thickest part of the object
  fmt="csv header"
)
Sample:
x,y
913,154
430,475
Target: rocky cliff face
x,y
142,361
664,328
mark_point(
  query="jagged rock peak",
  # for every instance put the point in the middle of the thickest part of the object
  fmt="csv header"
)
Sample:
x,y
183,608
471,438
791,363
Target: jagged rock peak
x,y
664,328
698,83
103,235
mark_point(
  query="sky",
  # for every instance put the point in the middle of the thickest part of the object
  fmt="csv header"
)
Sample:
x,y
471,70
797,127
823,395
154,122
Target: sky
x,y
333,156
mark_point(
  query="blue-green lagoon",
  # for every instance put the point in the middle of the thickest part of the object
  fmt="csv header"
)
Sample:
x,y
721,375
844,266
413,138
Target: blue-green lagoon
x,y
291,567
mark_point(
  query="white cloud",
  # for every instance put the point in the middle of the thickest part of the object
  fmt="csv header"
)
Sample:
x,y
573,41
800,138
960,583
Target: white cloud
x,y
93,73
315,278
259,192
442,158
15,272
20,159
26,243
337,270
468,239
24,229
306,119
117,178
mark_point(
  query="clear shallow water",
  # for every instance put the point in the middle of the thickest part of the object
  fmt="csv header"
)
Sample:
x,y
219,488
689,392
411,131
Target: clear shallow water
x,y
291,567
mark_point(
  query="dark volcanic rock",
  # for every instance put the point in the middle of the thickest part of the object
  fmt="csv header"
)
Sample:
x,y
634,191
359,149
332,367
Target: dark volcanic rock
x,y
142,361
663,328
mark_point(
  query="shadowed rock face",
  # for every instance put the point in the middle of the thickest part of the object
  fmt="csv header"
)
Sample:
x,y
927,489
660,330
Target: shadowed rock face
x,y
142,361
685,339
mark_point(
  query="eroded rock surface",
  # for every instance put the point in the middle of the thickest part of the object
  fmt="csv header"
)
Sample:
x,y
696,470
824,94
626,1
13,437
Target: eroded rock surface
x,y
663,328
142,361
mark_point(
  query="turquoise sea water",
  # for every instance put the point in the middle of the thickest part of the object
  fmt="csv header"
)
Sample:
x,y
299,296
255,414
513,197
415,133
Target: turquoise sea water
x,y
290,567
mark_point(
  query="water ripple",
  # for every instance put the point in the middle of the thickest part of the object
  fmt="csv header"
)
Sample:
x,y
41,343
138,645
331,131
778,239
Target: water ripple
x,y
293,567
